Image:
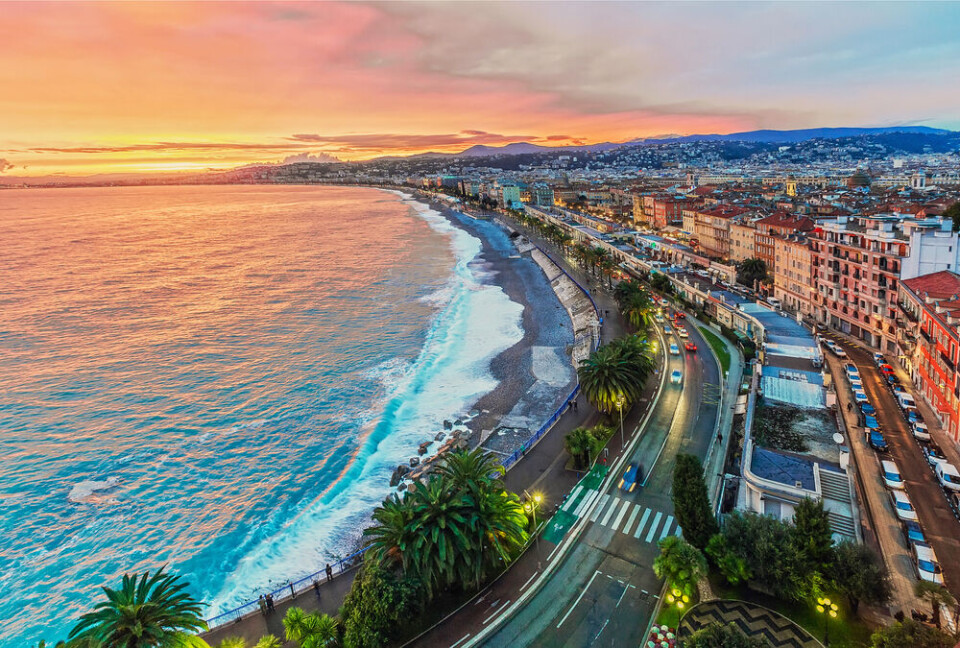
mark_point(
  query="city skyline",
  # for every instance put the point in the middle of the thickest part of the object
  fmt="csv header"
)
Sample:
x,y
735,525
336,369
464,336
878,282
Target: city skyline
x,y
143,88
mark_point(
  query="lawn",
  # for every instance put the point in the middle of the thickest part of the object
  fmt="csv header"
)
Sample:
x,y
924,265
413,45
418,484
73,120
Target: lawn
x,y
718,346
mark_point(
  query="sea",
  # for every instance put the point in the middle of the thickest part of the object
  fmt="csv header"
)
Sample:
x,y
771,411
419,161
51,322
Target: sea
x,y
220,379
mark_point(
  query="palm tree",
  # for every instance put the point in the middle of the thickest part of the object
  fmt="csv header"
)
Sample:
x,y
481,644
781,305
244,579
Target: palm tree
x,y
268,641
635,350
681,564
391,536
233,642
637,310
499,523
936,595
625,291
578,443
443,548
614,374
600,255
309,630
750,271
472,471
146,612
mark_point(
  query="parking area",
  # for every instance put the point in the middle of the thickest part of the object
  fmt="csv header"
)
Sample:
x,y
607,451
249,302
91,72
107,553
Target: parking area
x,y
929,502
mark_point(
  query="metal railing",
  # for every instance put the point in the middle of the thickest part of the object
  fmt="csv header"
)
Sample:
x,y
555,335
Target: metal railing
x,y
290,590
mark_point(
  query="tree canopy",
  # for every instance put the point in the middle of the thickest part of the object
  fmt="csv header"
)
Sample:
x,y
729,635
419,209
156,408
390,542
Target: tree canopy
x,y
690,501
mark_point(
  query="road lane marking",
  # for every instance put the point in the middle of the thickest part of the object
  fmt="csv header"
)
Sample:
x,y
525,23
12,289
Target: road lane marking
x,y
633,516
600,507
619,518
666,527
613,507
496,612
534,575
462,639
643,523
601,630
577,602
572,498
624,593
553,552
591,496
653,527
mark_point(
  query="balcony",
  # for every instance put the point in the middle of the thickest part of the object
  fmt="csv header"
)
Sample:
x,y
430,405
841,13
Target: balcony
x,y
908,314
926,336
947,361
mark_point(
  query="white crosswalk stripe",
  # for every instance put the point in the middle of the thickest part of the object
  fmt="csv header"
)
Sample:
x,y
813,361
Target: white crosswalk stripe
x,y
586,502
572,498
613,507
666,527
623,511
633,516
643,523
653,527
600,507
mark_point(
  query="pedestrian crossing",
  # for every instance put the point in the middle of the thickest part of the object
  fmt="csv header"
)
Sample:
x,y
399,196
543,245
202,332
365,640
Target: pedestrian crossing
x,y
621,515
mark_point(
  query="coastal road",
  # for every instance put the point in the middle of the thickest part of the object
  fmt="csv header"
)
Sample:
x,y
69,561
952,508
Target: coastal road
x,y
604,592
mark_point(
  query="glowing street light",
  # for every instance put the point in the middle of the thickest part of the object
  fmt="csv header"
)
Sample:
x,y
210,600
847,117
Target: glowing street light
x,y
829,611
679,600
621,401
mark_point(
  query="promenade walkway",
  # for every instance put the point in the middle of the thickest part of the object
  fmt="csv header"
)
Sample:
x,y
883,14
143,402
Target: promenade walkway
x,y
541,469
754,620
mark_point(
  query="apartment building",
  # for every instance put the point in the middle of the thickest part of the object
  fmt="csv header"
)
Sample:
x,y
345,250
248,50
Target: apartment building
x,y
774,227
793,273
930,342
742,240
712,229
858,263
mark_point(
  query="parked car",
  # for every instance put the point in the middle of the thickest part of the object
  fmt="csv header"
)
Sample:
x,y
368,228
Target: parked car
x,y
630,477
892,380
856,385
676,377
920,430
877,442
851,370
891,474
913,533
867,409
886,369
674,349
898,389
947,475
871,423
913,416
878,359
902,506
934,454
905,401
925,560
860,396
690,346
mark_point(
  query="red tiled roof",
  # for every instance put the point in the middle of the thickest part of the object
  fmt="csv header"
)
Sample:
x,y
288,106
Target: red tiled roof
x,y
943,284
783,219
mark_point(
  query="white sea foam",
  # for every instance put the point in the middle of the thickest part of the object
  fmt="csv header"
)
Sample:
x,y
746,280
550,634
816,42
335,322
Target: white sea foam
x,y
475,324
84,491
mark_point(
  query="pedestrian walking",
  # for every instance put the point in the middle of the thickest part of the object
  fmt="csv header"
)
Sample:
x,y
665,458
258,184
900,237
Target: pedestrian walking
x,y
269,598
316,588
263,605
329,572
719,437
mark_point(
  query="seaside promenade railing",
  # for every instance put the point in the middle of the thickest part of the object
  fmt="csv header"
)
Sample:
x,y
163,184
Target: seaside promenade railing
x,y
292,589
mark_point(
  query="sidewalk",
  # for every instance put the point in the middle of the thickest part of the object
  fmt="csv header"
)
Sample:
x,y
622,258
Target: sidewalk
x,y
543,469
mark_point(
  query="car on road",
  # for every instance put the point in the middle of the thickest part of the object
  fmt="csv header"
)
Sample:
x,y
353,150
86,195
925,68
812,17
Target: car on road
x,y
676,377
878,359
658,317
680,315
630,477
891,474
920,431
905,401
897,390
667,330
690,346
877,442
947,475
886,369
860,396
867,409
851,370
913,416
925,560
871,423
674,349
902,506
934,454
892,380
682,332
913,533
856,385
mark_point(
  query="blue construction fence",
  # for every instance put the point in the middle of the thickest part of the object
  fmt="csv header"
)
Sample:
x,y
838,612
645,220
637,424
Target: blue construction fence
x,y
290,590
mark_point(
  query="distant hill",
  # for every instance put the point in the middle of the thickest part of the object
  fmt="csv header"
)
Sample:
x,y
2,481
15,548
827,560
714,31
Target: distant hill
x,y
525,148
793,136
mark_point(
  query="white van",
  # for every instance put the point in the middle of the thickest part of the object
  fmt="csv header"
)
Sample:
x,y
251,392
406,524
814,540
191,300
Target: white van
x,y
773,301
947,475
905,401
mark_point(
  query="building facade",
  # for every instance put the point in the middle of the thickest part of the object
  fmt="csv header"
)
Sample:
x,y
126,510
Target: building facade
x,y
793,274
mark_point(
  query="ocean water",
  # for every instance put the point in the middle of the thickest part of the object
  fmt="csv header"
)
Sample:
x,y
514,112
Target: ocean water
x,y
219,378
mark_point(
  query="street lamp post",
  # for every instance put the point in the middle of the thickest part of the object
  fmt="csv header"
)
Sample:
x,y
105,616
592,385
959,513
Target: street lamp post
x,y
828,610
621,401
678,599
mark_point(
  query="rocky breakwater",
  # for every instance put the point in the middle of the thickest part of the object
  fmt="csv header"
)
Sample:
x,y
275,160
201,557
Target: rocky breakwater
x,y
456,436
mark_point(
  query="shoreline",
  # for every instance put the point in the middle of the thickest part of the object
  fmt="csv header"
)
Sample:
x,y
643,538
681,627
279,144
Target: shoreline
x,y
535,375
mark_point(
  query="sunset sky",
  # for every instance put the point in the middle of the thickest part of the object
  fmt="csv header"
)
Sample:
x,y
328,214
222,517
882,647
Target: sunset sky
x,y
146,87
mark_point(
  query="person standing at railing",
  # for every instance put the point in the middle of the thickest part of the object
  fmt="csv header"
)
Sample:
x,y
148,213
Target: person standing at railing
x,y
329,573
262,602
